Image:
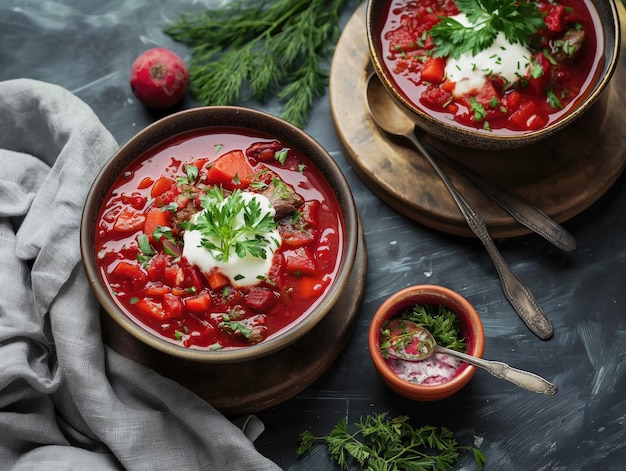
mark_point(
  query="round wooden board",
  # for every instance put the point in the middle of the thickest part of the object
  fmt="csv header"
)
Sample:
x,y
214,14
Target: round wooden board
x,y
562,175
249,387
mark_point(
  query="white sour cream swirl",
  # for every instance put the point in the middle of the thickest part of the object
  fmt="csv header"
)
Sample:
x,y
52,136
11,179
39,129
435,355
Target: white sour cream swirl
x,y
246,271
469,72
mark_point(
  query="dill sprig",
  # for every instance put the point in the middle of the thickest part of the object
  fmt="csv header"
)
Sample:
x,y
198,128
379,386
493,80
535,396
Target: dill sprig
x,y
517,20
381,444
274,48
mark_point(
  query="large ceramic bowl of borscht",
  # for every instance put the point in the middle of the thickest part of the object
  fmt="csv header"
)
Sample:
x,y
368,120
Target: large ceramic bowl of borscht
x,y
493,74
219,234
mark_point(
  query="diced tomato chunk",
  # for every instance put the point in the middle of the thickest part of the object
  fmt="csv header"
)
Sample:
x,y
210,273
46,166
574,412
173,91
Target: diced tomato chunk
x,y
154,219
555,18
308,287
162,185
129,221
217,280
172,306
193,276
136,200
527,117
435,98
231,170
145,183
156,291
156,269
260,298
539,75
173,276
198,304
130,271
434,70
150,308
300,262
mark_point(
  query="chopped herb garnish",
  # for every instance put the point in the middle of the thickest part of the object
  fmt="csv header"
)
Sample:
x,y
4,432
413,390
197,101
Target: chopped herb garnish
x,y
553,100
479,110
517,20
190,177
281,156
221,232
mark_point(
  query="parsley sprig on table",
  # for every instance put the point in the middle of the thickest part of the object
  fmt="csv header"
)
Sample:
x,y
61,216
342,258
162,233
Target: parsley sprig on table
x,y
222,231
517,20
274,47
382,444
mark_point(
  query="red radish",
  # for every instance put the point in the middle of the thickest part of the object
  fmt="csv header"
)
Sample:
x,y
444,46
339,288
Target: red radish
x,y
159,78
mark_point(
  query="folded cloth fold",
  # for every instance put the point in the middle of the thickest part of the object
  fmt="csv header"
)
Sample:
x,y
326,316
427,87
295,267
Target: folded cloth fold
x,y
66,400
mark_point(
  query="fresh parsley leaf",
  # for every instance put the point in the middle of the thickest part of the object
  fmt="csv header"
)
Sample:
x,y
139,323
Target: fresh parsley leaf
x,y
553,100
190,177
281,156
220,229
519,21
379,443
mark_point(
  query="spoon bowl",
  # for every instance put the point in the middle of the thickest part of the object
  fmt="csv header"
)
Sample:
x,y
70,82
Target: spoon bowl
x,y
471,329
412,342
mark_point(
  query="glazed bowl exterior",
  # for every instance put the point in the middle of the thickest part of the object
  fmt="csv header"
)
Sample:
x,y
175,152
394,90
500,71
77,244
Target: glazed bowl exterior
x,y
197,119
471,329
464,136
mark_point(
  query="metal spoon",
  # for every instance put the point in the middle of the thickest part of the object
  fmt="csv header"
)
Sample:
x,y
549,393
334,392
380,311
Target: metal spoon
x,y
391,120
521,210
412,342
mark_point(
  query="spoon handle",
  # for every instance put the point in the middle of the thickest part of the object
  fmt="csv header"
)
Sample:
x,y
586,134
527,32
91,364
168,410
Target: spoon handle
x,y
515,290
524,212
521,378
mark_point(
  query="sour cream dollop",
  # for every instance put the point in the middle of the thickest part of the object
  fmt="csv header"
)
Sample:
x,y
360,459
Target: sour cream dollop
x,y
469,72
246,271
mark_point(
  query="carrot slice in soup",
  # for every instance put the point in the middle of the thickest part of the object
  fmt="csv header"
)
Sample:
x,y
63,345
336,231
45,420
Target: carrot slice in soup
x,y
231,170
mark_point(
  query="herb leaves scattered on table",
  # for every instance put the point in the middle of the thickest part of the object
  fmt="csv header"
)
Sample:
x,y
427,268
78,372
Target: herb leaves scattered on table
x,y
269,47
383,444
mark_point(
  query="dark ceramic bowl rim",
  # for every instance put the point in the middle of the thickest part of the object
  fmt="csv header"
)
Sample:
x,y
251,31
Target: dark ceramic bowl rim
x,y
406,298
197,119
465,135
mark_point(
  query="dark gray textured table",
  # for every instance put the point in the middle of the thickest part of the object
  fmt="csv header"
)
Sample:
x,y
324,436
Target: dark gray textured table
x,y
87,47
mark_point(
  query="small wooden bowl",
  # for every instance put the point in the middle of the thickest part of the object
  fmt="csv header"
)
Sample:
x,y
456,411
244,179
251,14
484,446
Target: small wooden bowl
x,y
471,329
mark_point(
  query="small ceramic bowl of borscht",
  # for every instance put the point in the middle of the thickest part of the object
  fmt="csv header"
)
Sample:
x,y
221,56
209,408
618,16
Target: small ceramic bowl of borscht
x,y
452,321
493,75
219,234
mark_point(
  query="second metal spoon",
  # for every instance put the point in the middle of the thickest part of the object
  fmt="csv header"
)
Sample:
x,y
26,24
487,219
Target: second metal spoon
x,y
412,342
393,121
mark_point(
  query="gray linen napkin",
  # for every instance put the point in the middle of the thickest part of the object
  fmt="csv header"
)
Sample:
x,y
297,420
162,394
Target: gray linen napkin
x,y
66,400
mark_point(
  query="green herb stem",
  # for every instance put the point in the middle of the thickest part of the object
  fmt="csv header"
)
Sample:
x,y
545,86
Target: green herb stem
x,y
277,48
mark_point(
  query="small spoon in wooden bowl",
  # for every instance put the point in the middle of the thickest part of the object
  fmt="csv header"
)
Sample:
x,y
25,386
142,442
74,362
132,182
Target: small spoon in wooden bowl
x,y
409,341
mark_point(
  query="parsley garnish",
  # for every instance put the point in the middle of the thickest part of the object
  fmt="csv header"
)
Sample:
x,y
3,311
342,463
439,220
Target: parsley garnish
x,y
517,20
224,230
381,443
190,177
281,156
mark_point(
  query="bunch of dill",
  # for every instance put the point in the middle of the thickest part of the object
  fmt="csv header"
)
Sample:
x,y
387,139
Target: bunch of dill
x,y
275,48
